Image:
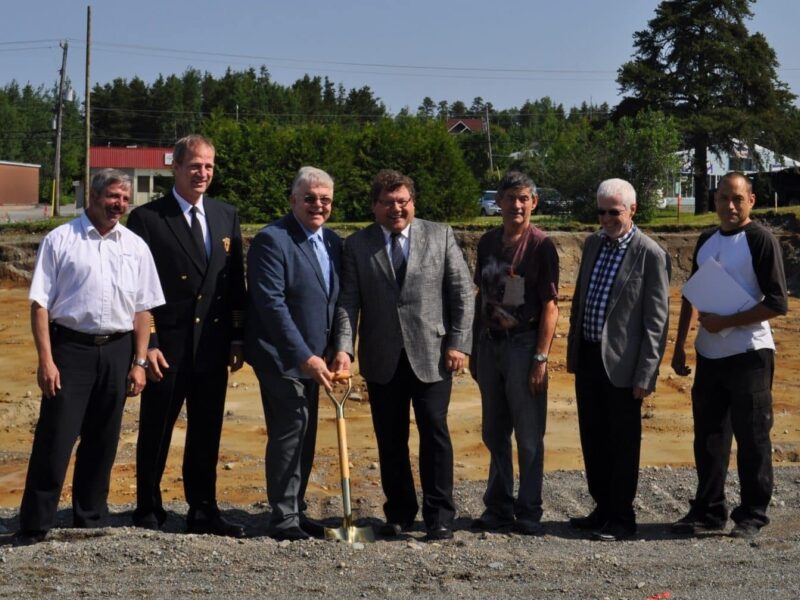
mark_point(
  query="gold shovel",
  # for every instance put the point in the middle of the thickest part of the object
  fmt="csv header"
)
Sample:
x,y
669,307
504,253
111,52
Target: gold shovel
x,y
348,532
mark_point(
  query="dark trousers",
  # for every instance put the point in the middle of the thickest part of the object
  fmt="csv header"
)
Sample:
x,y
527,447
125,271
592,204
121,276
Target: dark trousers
x,y
291,407
732,396
89,404
161,404
390,405
610,422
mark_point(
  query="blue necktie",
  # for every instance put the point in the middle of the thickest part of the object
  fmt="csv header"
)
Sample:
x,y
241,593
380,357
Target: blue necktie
x,y
323,259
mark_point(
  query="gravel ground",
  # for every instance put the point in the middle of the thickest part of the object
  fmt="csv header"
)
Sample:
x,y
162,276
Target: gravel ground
x,y
126,562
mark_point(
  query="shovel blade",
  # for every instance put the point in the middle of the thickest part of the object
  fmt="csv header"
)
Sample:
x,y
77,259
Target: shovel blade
x,y
350,534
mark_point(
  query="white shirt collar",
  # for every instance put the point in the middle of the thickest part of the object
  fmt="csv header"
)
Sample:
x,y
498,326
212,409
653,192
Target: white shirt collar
x,y
186,206
387,235
88,227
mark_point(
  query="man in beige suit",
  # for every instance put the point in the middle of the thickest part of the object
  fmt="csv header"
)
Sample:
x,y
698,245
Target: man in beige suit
x,y
617,333
405,282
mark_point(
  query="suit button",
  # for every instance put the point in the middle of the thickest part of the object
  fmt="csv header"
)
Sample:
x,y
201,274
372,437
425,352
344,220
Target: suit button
x,y
184,277
197,319
199,296
216,320
219,297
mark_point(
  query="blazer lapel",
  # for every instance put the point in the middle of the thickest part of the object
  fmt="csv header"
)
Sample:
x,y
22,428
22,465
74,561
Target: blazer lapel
x,y
215,226
180,228
377,249
335,266
592,249
625,270
303,243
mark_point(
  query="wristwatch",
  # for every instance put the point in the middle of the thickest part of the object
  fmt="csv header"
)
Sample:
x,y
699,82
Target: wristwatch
x,y
540,357
141,362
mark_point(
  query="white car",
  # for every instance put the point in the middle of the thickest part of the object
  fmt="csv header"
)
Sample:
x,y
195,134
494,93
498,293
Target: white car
x,y
488,203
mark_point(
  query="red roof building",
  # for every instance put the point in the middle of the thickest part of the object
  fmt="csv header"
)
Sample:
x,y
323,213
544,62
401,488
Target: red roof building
x,y
150,168
469,125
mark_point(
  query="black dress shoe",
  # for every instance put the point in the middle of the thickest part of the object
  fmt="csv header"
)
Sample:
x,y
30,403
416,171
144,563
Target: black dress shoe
x,y
527,527
692,525
390,529
312,527
439,533
148,521
28,538
614,531
291,534
214,525
490,524
591,522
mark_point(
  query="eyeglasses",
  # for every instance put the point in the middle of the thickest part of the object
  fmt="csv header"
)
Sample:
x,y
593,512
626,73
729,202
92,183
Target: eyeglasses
x,y
312,199
614,212
391,203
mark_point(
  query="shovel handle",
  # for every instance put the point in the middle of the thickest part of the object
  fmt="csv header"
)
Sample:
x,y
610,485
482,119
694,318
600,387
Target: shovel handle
x,y
344,461
340,376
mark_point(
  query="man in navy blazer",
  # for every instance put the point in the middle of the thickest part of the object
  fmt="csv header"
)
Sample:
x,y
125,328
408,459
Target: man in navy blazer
x,y
293,278
196,243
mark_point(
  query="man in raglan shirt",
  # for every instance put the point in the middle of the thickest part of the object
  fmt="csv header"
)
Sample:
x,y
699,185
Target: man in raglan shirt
x,y
732,391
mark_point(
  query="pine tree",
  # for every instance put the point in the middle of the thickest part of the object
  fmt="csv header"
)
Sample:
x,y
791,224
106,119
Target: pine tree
x,y
698,62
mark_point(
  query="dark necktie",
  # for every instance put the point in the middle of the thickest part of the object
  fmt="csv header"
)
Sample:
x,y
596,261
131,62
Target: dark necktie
x,y
398,259
197,234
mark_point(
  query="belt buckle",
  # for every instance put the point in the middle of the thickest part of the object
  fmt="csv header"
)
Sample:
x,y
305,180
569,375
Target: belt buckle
x,y
100,340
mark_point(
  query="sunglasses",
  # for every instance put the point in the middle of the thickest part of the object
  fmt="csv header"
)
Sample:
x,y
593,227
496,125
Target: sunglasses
x,y
614,212
312,199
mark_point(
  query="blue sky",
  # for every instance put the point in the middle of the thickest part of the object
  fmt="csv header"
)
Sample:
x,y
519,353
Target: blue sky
x,y
505,51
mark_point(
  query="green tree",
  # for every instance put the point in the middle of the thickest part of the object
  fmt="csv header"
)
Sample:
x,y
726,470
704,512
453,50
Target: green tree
x,y
698,62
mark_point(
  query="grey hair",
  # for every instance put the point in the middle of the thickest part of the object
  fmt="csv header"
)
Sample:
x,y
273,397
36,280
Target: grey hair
x,y
311,176
513,180
107,177
617,188
187,143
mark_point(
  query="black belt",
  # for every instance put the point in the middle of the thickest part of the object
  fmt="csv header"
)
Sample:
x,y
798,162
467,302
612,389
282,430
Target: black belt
x,y
505,334
89,339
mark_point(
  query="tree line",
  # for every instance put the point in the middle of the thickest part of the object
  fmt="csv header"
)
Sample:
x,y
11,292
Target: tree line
x,y
698,79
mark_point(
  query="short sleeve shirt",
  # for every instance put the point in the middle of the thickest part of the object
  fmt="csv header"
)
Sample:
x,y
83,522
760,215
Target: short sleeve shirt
x,y
92,283
500,295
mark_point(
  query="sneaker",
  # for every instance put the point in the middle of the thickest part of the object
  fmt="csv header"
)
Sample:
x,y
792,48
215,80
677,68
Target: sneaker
x,y
744,531
692,525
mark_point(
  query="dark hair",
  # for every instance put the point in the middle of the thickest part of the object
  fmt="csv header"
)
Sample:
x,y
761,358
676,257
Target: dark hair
x,y
186,143
737,175
106,177
513,180
388,180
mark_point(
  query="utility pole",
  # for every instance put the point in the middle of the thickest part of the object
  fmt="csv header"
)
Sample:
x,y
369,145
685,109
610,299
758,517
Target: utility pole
x,y
87,117
489,139
59,118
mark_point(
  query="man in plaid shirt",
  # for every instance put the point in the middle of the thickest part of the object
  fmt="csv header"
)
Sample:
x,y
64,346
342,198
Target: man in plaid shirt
x,y
617,334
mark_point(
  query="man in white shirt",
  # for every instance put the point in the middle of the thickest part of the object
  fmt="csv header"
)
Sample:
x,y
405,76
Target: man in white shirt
x,y
93,287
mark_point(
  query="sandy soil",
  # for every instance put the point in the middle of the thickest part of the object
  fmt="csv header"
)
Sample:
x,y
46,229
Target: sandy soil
x,y
667,434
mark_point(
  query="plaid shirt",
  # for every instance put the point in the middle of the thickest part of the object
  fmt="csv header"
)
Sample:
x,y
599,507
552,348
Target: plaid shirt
x,y
605,271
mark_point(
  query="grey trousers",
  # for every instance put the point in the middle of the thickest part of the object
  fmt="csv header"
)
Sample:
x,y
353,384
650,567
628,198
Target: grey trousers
x,y
509,406
290,409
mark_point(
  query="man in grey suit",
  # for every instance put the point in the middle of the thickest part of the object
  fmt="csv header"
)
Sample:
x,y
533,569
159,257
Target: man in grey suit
x,y
404,280
292,272
617,334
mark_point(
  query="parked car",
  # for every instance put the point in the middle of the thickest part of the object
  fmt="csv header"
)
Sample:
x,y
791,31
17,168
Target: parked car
x,y
551,202
488,203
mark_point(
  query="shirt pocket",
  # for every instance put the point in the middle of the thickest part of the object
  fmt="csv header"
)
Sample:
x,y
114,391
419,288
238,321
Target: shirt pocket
x,y
127,273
